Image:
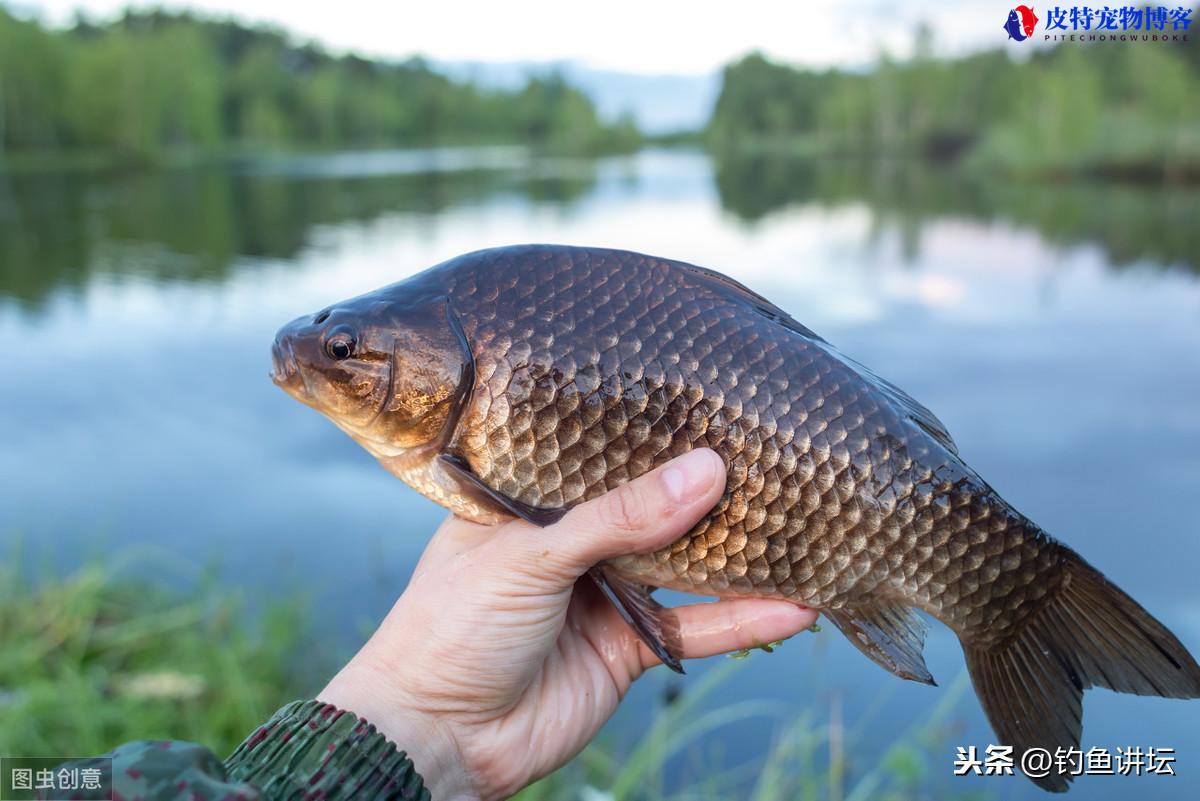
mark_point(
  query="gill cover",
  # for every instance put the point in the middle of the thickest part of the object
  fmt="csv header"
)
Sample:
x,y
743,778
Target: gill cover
x,y
432,374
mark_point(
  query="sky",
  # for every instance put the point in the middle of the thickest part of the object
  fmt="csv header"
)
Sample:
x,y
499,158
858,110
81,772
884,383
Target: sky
x,y
663,37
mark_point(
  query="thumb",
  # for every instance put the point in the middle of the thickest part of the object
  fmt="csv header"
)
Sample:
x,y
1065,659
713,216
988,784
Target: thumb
x,y
643,515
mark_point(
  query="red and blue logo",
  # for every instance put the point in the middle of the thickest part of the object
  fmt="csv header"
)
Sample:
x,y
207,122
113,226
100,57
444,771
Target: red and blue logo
x,y
1021,22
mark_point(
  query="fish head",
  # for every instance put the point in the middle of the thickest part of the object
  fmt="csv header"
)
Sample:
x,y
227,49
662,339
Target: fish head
x,y
388,367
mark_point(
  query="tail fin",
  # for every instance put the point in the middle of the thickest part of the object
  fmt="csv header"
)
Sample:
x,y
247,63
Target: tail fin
x,y
1091,634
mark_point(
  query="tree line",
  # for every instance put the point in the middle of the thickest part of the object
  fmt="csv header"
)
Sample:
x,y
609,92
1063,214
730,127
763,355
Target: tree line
x,y
150,84
1116,109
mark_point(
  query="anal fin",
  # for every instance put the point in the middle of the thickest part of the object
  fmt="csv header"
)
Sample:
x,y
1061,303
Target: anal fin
x,y
654,624
889,633
474,486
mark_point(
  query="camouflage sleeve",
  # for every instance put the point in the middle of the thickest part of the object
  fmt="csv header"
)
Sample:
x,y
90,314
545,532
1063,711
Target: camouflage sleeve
x,y
314,750
306,750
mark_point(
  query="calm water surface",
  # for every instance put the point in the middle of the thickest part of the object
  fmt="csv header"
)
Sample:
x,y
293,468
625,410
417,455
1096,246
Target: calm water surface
x,y
1055,330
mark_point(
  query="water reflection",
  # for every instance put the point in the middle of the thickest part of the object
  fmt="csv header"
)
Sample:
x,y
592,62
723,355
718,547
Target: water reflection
x,y
1133,223
60,230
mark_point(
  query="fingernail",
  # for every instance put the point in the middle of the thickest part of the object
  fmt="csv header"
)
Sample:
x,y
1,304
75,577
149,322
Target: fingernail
x,y
689,475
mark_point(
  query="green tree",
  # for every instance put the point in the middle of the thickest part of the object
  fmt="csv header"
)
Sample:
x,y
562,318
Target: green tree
x,y
32,70
151,84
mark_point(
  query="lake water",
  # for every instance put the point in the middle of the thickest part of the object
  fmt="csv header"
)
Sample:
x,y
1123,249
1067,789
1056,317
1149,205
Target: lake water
x,y
1055,330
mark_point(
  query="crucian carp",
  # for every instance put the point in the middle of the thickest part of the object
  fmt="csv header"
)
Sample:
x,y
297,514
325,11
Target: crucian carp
x,y
521,381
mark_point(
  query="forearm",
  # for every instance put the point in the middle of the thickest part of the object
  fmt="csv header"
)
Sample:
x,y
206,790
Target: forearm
x,y
307,749
313,749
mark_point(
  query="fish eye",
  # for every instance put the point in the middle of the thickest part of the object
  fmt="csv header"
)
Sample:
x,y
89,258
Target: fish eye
x,y
340,346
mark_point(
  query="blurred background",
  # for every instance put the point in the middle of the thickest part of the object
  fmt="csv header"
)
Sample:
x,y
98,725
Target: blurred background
x,y
1008,230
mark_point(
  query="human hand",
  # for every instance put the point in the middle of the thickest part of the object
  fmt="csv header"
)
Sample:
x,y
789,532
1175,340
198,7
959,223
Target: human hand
x,y
497,665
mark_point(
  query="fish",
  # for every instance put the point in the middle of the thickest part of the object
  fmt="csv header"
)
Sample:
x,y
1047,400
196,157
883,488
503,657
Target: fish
x,y
1020,23
521,381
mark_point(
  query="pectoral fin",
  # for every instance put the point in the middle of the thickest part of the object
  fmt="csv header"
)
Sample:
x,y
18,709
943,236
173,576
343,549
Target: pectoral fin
x,y
481,493
654,624
891,634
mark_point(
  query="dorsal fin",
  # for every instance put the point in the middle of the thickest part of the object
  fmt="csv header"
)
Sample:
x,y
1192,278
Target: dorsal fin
x,y
913,409
725,285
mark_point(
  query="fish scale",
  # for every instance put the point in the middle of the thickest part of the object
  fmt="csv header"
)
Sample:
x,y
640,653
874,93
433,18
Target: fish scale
x,y
631,340
524,381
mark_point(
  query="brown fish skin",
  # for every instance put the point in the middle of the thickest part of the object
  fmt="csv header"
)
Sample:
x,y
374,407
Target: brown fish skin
x,y
525,380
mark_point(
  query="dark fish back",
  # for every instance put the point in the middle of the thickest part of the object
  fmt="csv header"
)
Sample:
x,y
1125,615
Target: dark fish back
x,y
594,366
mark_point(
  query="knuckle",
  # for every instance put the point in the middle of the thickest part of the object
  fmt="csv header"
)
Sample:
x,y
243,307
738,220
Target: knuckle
x,y
525,554
742,636
625,509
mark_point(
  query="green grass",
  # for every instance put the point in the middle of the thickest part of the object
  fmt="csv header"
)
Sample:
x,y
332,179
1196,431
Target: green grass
x,y
95,658
807,760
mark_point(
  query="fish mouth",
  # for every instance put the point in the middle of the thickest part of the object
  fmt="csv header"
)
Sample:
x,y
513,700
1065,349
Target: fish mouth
x,y
285,370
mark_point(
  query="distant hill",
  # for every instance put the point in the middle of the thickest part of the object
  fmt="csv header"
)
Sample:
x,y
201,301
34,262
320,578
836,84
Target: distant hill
x,y
658,103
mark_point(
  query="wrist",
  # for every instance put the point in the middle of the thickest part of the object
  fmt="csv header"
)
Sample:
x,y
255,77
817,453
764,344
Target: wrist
x,y
429,743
